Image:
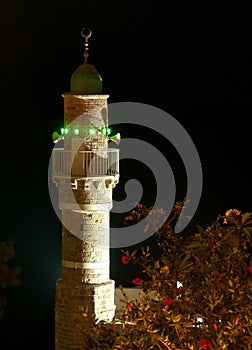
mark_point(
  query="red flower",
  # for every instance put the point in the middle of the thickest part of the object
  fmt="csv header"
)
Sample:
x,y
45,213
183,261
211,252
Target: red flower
x,y
180,290
250,268
220,277
167,301
205,344
137,281
129,307
125,259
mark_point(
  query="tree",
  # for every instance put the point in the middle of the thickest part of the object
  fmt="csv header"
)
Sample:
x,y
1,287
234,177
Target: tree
x,y
197,291
9,273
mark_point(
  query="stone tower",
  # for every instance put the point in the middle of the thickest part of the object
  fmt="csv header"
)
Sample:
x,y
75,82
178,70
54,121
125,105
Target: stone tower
x,y
85,171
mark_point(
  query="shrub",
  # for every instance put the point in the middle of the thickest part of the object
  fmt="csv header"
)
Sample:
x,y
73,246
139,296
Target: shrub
x,y
197,290
9,273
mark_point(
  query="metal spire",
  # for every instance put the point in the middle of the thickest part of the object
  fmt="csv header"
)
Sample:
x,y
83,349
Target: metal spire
x,y
86,34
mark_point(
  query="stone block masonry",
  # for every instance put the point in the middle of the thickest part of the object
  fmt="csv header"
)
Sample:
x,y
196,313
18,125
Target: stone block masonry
x,y
71,302
85,200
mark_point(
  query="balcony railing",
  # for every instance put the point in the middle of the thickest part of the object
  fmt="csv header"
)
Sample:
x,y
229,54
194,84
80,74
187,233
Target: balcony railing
x,y
85,163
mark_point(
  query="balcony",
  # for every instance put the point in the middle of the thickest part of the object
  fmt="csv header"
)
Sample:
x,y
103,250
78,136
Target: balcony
x,y
69,163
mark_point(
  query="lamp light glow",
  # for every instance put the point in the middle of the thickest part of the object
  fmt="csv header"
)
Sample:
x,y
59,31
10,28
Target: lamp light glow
x,y
91,131
115,138
104,131
56,137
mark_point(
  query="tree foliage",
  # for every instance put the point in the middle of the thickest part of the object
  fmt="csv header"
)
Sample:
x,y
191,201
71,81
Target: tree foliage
x,y
9,273
197,291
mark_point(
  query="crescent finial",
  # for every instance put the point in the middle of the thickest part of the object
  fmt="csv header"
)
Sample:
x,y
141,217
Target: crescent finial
x,y
86,34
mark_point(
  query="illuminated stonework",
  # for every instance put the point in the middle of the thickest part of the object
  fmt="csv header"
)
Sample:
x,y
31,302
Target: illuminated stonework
x,y
85,182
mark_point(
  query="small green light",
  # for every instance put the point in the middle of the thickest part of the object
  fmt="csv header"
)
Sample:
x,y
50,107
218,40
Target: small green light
x,y
76,131
105,131
62,130
66,131
55,136
91,131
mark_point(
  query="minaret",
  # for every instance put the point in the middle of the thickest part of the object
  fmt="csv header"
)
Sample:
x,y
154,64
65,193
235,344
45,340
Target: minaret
x,y
85,171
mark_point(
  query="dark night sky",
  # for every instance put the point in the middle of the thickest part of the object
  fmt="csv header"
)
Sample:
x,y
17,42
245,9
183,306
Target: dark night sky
x,y
189,59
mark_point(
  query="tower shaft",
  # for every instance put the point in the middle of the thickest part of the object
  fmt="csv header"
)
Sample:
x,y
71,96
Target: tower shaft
x,y
85,171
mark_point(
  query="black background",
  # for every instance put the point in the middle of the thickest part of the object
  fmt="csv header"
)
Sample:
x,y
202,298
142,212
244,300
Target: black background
x,y
190,59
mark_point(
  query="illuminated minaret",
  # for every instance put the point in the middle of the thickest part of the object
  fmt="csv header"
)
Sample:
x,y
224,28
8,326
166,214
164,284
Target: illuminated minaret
x,y
85,170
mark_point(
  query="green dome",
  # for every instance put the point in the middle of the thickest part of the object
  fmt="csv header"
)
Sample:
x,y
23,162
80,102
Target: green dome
x,y
86,80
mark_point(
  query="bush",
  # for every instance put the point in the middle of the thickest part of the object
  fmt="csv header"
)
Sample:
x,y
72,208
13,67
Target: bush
x,y
9,274
197,291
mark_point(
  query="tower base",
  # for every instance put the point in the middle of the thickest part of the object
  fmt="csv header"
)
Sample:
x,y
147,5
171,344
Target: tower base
x,y
72,302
